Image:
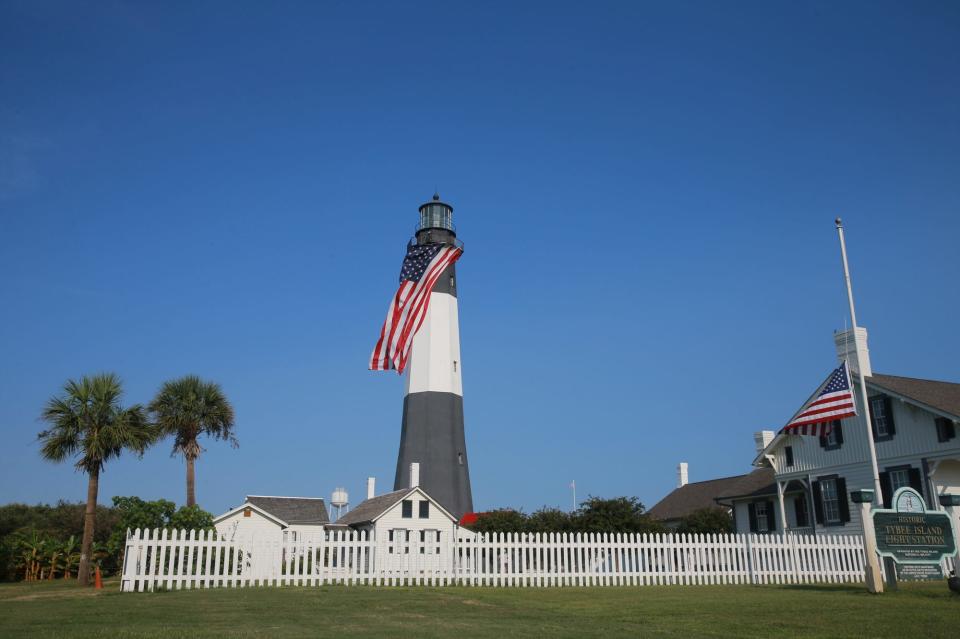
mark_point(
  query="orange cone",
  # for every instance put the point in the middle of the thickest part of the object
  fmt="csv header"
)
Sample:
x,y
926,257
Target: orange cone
x,y
97,580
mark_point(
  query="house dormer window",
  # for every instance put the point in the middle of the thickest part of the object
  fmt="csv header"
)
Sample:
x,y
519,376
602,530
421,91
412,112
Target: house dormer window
x,y
424,509
406,509
788,453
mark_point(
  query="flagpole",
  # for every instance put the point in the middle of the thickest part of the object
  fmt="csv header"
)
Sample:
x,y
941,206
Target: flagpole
x,y
863,382
573,485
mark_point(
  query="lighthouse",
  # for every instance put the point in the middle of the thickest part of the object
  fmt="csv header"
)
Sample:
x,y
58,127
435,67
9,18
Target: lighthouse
x,y
432,427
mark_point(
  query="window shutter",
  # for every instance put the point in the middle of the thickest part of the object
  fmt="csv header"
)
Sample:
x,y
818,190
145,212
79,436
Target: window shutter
x,y
916,482
888,409
752,511
873,419
818,502
823,441
843,497
839,427
798,511
887,489
771,518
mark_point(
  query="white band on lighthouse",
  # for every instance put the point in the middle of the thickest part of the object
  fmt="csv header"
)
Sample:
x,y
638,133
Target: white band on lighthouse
x,y
435,356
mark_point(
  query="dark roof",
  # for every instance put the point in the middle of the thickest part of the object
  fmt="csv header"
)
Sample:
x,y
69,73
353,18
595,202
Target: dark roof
x,y
702,494
943,396
372,508
293,510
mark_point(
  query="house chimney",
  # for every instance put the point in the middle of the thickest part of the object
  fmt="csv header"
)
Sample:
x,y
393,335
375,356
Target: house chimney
x,y
371,487
762,439
682,479
845,350
414,475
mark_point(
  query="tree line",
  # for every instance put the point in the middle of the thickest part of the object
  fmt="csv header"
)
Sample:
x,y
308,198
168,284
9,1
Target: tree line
x,y
597,515
88,424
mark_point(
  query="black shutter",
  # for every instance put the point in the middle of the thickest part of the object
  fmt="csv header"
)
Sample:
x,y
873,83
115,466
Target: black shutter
x,y
887,489
823,440
771,518
752,511
843,497
888,409
873,419
839,428
798,511
818,502
915,480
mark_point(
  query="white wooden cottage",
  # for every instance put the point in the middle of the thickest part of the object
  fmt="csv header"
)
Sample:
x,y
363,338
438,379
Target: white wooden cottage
x,y
270,518
403,519
914,425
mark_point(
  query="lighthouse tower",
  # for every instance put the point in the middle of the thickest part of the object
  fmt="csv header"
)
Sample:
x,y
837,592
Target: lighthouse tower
x,y
432,433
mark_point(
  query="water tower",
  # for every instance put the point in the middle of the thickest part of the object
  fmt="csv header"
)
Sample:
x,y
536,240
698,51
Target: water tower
x,y
339,500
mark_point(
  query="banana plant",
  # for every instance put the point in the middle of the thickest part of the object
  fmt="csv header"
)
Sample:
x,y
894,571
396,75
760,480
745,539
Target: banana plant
x,y
71,555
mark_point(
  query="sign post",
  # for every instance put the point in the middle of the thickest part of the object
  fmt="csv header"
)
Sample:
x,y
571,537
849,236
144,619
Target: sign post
x,y
916,539
952,504
872,569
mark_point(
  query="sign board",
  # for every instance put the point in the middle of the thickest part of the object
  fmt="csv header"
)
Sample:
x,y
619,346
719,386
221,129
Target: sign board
x,y
918,572
910,534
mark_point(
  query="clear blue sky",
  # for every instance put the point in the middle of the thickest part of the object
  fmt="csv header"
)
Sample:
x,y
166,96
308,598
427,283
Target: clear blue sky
x,y
646,193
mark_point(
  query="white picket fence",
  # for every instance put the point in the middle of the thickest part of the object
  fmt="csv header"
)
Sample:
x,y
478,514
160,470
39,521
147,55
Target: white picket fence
x,y
188,559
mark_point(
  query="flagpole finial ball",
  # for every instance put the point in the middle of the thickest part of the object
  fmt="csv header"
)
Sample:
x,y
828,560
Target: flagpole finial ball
x,y
839,222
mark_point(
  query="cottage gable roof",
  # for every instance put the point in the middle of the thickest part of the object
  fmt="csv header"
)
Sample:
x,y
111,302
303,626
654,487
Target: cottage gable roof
x,y
372,509
703,494
941,396
293,510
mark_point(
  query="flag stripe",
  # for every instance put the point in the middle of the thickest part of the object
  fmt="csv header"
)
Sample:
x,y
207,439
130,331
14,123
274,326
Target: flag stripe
x,y
832,401
409,305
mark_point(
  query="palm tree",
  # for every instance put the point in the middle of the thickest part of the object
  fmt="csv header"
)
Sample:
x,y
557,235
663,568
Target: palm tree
x,y
87,422
188,408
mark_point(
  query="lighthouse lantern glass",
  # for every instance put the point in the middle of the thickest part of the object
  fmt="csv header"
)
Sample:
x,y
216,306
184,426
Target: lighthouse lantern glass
x,y
436,216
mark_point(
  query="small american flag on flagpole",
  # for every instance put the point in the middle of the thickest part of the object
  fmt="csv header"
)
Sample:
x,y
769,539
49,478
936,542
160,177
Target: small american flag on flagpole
x,y
832,401
422,267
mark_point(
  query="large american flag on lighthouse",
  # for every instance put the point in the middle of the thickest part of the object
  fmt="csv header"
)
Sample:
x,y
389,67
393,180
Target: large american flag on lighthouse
x,y
832,401
421,269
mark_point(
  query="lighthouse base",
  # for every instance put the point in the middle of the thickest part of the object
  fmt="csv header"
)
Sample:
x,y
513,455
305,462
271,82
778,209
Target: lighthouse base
x,y
432,435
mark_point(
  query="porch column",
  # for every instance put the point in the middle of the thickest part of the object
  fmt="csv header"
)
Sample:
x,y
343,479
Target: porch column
x,y
783,511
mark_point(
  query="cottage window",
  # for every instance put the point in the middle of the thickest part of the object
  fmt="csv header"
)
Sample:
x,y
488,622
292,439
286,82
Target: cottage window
x,y
762,523
833,437
424,509
881,417
946,430
899,478
788,452
407,509
831,500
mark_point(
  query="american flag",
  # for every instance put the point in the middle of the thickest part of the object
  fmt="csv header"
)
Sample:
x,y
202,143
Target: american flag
x,y
832,401
421,269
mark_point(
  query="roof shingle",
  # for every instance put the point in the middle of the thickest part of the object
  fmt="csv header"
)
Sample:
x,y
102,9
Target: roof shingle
x,y
944,396
702,494
369,509
293,510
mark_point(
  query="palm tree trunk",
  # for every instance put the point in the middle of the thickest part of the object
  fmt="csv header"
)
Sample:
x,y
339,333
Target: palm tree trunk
x,y
89,520
191,482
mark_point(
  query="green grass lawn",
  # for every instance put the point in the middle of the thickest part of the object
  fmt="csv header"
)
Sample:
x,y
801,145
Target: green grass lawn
x,y
64,610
